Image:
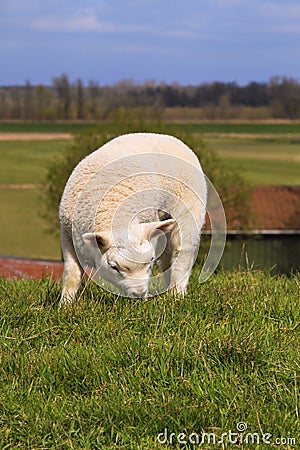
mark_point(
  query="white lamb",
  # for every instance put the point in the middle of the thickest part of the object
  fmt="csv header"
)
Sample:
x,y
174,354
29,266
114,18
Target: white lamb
x,y
137,200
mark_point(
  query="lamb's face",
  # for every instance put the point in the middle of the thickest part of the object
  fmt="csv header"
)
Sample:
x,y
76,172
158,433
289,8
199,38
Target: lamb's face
x,y
130,269
128,264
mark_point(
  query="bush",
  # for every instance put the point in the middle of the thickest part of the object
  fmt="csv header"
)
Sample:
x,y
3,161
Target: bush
x,y
232,188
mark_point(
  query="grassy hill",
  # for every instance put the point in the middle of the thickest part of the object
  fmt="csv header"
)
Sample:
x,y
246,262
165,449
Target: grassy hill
x,y
113,373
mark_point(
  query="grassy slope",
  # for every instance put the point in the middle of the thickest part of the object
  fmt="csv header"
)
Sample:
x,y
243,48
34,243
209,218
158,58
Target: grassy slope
x,y
114,373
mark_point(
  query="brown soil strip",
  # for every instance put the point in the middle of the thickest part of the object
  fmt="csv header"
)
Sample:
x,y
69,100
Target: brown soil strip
x,y
17,268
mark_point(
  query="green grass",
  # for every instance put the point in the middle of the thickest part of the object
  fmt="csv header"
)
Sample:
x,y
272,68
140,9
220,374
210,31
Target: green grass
x,y
27,161
262,161
243,128
205,127
112,373
22,227
23,231
45,127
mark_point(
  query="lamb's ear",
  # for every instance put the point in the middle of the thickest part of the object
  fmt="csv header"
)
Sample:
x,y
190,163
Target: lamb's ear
x,y
102,239
151,227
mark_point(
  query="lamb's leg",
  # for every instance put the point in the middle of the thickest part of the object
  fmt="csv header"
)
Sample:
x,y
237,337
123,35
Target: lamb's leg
x,y
165,262
181,271
72,270
176,263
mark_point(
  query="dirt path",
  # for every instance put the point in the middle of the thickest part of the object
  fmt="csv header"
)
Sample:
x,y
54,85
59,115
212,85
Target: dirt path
x,y
35,136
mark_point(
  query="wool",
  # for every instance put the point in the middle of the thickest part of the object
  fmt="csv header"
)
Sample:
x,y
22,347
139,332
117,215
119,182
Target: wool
x,y
131,180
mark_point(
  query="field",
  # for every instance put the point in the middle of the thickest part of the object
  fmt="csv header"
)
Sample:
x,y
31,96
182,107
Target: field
x,y
26,162
267,153
217,368
23,169
113,373
273,127
263,161
23,231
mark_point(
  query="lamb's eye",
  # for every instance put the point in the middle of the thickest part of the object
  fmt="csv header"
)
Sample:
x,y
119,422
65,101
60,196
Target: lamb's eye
x,y
114,267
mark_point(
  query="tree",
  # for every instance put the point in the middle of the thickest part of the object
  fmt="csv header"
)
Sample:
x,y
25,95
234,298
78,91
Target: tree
x,y
16,97
224,106
80,99
93,94
285,97
43,99
63,90
290,98
28,101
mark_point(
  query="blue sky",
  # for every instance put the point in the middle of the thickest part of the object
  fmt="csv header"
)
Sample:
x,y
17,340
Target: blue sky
x,y
188,42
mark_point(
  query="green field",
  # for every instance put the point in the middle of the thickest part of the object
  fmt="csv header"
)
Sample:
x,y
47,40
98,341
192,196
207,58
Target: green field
x,y
263,161
45,127
262,158
204,127
23,231
27,161
113,373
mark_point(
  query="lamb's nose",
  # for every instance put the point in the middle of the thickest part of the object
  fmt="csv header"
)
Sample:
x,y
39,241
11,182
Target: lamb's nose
x,y
139,294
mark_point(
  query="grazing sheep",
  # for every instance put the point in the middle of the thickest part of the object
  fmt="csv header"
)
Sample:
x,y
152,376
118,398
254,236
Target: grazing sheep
x,y
137,200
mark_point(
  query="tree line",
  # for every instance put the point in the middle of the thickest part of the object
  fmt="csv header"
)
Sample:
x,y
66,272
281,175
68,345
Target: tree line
x,y
67,100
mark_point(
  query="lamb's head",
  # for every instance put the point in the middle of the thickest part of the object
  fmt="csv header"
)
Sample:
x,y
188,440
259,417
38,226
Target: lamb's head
x,y
126,258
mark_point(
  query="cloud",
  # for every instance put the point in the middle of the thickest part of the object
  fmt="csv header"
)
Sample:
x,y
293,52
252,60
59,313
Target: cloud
x,y
83,21
75,24
228,3
284,11
87,24
86,21
18,7
281,18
